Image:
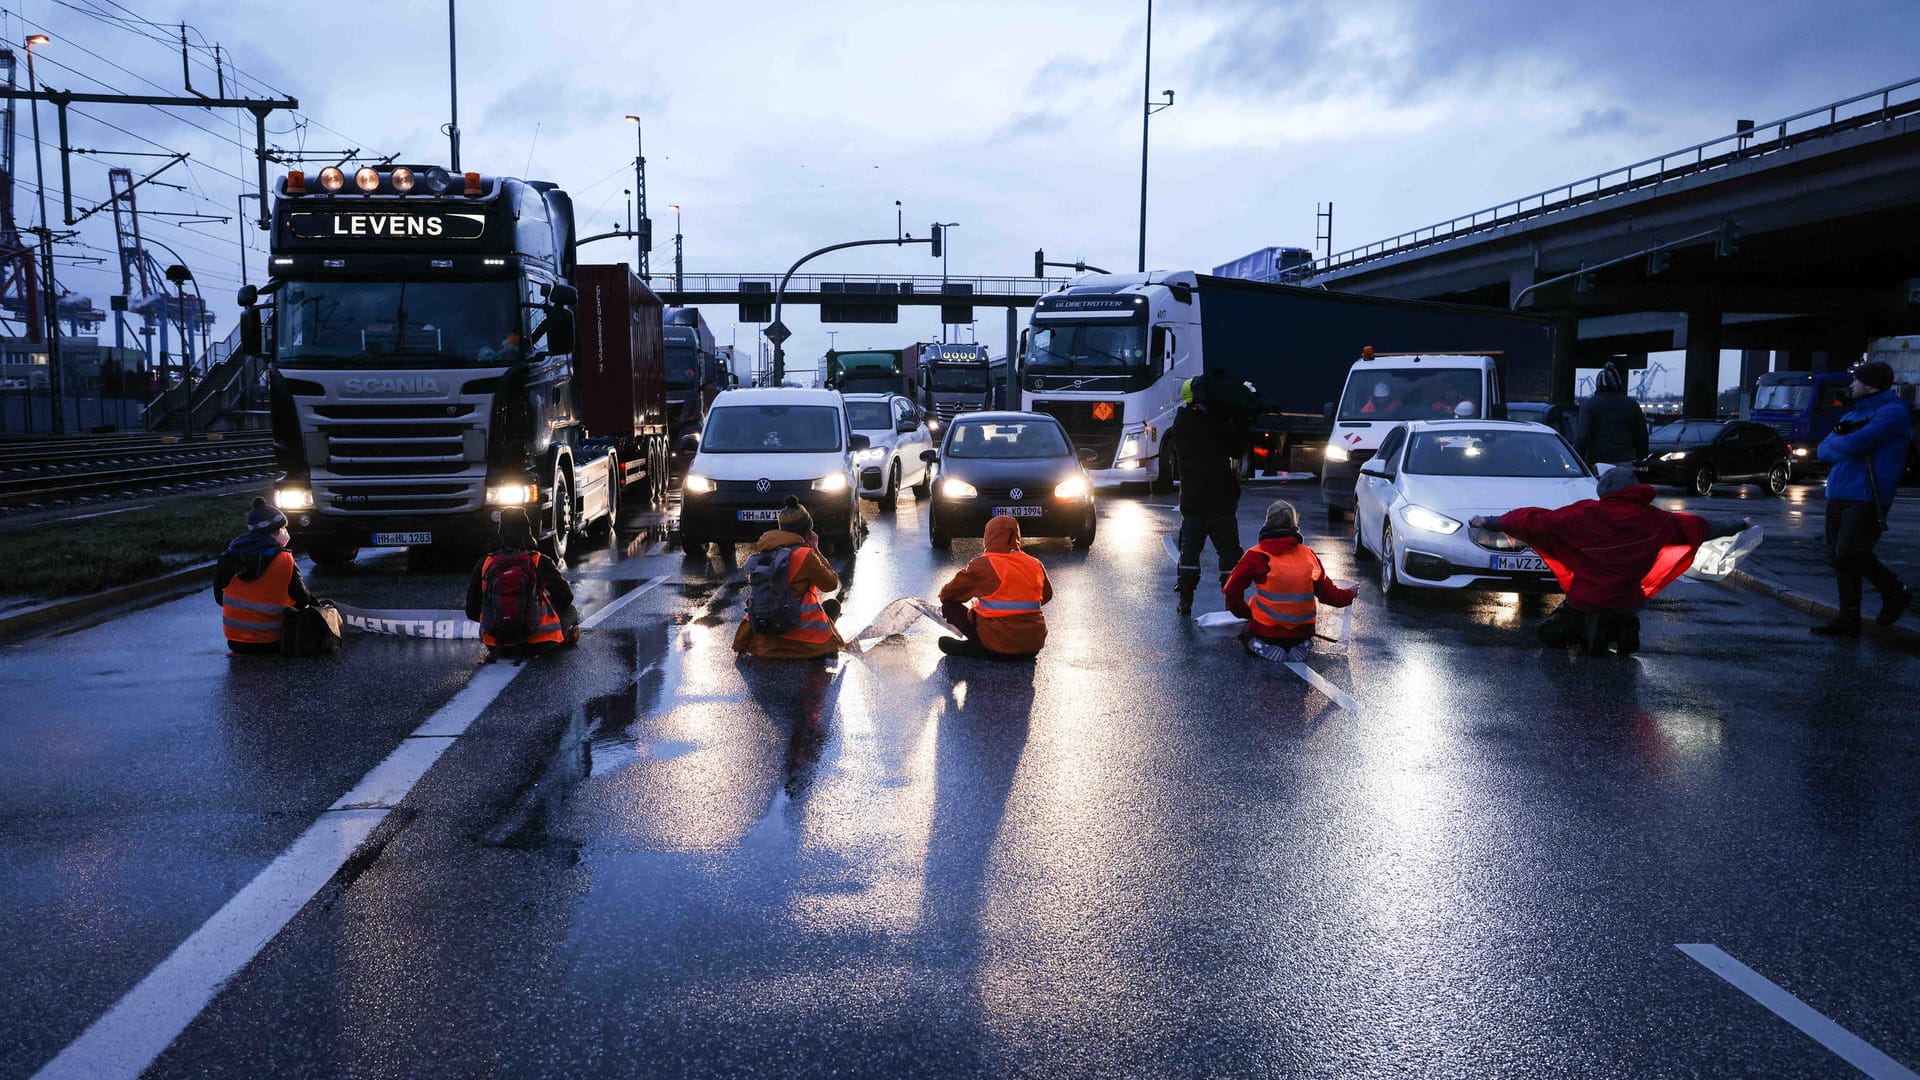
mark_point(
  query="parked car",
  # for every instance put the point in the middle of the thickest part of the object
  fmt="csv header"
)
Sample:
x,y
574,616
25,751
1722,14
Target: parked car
x,y
759,446
1415,496
1697,454
896,434
1019,464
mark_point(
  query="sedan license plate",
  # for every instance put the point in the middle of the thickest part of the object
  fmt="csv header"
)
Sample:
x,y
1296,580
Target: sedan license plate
x,y
401,539
1019,511
760,515
1531,564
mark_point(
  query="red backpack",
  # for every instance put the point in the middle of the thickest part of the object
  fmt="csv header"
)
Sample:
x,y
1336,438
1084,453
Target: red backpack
x,y
510,597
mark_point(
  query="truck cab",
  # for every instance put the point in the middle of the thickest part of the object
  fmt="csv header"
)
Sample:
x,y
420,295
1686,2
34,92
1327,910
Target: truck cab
x,y
1801,406
1385,390
692,371
954,379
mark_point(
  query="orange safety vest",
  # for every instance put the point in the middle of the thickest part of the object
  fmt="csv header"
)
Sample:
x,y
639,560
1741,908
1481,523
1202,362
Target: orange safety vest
x,y
1284,597
252,610
546,624
815,628
1023,583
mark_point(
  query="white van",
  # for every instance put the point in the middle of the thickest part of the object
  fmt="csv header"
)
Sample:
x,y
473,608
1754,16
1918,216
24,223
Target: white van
x,y
760,446
1385,390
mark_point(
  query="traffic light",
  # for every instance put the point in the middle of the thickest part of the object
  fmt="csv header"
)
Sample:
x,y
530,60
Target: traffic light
x,y
1039,264
938,239
1658,262
1728,241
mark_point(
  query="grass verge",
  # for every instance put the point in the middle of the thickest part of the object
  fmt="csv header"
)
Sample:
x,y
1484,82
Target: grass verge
x,y
73,557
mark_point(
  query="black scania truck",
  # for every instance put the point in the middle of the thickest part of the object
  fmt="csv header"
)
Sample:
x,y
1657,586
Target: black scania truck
x,y
423,329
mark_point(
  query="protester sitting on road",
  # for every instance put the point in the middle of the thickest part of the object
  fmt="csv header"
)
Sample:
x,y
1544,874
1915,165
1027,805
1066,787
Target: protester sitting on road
x,y
256,581
1006,587
785,618
1288,584
1611,555
517,595
1867,451
1610,429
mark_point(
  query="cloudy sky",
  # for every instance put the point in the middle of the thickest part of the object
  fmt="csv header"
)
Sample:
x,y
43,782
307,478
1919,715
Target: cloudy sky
x,y
783,126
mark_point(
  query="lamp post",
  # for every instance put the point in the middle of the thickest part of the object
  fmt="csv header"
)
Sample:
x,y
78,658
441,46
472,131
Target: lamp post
x,y
55,383
944,226
642,228
678,284
1145,127
180,275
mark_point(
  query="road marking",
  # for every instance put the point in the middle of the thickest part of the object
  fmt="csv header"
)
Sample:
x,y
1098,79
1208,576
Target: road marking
x,y
1319,682
109,513
1172,552
1851,1048
142,1024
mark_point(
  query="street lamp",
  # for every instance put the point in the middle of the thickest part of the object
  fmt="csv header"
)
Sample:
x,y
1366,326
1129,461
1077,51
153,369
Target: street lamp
x,y
180,275
52,314
678,286
642,228
1151,108
943,226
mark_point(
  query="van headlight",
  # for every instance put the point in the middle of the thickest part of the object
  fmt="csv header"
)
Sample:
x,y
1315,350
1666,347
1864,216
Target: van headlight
x,y
831,482
512,494
1422,518
695,484
293,498
957,489
1336,452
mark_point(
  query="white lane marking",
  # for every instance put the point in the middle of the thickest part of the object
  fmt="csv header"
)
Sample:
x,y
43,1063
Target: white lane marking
x,y
1851,1048
1172,552
146,1020
1319,682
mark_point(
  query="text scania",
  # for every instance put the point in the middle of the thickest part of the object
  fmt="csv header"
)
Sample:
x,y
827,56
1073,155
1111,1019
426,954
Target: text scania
x,y
392,386
387,225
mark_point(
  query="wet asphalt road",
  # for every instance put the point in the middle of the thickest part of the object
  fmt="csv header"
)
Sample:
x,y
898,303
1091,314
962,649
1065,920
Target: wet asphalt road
x,y
1147,854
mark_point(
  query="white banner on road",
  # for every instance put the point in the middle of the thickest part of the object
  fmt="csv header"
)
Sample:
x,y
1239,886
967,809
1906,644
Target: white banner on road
x,y
446,625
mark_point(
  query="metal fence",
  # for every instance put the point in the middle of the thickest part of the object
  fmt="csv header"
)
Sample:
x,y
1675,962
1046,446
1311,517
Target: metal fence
x,y
928,284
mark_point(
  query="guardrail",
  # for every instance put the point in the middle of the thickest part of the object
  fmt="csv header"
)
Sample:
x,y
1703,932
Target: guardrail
x,y
1862,110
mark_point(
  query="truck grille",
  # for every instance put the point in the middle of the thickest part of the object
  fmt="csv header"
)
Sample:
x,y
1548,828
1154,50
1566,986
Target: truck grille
x,y
1102,436
398,458
391,497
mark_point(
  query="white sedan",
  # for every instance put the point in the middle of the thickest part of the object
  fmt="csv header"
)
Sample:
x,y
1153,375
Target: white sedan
x,y
896,434
1415,496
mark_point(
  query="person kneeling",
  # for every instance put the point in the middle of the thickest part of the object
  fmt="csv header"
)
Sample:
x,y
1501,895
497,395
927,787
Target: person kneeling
x,y
786,619
1288,584
517,595
1006,587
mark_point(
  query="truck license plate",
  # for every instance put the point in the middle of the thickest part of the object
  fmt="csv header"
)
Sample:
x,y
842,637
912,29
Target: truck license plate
x,y
1528,563
401,539
1019,511
760,515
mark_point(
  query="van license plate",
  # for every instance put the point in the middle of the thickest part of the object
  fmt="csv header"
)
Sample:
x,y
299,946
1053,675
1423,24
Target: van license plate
x,y
760,515
1528,563
1019,511
381,539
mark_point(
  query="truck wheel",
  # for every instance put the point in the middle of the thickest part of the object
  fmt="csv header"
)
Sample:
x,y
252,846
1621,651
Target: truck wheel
x,y
613,499
891,497
561,521
1169,471
332,556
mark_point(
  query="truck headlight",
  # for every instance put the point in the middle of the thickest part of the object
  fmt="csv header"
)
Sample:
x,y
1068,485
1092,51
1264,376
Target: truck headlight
x,y
1336,452
957,489
293,498
695,484
1422,518
1073,487
831,482
1130,446
512,494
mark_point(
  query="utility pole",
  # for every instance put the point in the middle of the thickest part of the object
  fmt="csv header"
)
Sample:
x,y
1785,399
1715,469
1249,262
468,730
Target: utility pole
x,y
453,81
1149,108
643,228
50,310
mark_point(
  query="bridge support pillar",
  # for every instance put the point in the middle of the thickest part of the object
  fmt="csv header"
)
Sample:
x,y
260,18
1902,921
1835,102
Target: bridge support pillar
x,y
1566,341
1013,344
1702,383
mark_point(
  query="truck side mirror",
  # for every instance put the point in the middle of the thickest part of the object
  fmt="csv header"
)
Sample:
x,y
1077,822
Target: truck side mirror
x,y
560,331
248,296
563,296
250,336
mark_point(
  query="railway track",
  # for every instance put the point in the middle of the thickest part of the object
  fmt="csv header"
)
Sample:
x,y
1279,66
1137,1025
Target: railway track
x,y
46,473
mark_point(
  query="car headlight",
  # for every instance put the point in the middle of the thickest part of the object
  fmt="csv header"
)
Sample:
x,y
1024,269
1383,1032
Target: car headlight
x,y
831,482
1422,518
957,489
695,484
1336,452
293,498
872,455
1799,451
1073,487
512,494
1677,455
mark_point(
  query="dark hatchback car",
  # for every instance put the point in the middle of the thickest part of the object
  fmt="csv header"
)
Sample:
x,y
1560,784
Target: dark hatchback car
x,y
1697,454
1019,464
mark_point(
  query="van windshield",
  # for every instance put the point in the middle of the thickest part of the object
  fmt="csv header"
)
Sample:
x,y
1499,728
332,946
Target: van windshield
x,y
1411,394
772,429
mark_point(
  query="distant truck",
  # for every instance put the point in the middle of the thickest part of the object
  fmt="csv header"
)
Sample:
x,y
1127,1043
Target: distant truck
x,y
954,379
427,370
691,367
1267,264
873,371
1106,355
1803,405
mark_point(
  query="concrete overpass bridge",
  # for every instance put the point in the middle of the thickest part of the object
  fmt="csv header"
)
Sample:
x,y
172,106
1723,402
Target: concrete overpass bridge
x,y
1801,235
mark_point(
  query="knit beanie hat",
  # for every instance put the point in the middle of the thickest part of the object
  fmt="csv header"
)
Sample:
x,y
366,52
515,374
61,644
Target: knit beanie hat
x,y
1281,513
268,518
516,531
1875,373
794,518
1615,479
1610,379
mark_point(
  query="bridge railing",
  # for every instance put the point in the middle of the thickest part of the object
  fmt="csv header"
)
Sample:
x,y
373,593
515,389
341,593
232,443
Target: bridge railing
x,y
1862,110
808,283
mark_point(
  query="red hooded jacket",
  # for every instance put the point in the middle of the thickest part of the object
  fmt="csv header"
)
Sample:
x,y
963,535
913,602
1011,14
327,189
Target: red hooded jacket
x,y
1613,553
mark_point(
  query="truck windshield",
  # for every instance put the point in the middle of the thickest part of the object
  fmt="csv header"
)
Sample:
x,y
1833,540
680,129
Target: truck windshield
x,y
959,378
1102,349
1411,394
384,324
775,429
683,367
1783,398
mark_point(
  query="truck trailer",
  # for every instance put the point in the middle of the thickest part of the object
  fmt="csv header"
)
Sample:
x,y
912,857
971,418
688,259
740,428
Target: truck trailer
x,y
1107,353
424,373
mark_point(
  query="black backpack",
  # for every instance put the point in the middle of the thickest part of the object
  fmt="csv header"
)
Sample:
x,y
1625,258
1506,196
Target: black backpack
x,y
510,597
772,605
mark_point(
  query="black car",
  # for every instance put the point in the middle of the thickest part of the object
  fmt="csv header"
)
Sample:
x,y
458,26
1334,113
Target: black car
x,y
1697,454
1019,464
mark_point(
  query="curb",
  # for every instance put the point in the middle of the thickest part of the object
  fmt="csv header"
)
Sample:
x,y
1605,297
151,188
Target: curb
x,y
73,607
1897,636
